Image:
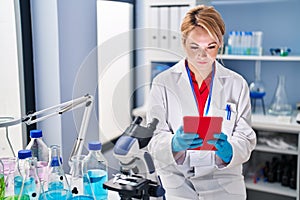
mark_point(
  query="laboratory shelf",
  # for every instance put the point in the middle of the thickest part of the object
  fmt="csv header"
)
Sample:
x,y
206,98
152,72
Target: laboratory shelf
x,y
259,58
274,188
275,123
264,148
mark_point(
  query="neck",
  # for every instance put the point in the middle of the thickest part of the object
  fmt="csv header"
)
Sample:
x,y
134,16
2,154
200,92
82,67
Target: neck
x,y
200,74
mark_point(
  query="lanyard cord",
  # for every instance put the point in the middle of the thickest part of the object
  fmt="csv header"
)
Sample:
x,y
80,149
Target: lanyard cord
x,y
210,89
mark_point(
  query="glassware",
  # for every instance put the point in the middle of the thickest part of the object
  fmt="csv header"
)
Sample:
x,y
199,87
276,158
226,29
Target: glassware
x,y
56,186
77,179
39,150
9,165
95,172
5,144
26,180
280,105
257,89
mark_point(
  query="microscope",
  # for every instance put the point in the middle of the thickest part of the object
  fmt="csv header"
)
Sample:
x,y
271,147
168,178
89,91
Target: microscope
x,y
137,178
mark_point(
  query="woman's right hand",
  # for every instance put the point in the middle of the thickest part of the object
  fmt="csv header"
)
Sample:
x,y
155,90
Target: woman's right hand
x,y
182,141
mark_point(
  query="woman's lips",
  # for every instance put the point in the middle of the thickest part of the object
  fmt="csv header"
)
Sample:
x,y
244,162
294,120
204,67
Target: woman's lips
x,y
202,62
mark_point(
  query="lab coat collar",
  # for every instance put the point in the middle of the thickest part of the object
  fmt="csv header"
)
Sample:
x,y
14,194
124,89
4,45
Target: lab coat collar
x,y
218,87
183,84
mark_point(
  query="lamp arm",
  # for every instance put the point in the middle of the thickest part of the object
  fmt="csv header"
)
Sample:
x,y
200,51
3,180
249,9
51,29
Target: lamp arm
x,y
78,145
86,100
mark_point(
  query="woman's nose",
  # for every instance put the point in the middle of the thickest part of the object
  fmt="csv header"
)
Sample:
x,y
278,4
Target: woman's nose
x,y
202,52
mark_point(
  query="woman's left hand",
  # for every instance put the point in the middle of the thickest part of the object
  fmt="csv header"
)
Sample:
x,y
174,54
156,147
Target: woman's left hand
x,y
224,148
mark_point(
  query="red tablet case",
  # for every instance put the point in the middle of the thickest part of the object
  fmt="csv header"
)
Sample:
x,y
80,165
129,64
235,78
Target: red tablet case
x,y
205,126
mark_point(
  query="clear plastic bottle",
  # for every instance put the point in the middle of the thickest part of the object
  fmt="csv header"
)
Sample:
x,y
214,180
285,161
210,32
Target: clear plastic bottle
x,y
39,150
26,181
56,186
95,172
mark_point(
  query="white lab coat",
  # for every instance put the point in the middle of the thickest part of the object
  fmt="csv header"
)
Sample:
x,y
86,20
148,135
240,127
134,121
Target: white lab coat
x,y
200,176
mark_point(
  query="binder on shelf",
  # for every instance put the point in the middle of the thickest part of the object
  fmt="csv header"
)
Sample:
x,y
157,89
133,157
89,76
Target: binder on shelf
x,y
154,25
164,27
175,23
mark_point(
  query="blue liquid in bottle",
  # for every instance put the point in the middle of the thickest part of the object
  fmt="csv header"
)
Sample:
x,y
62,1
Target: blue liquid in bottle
x,y
29,187
56,191
94,181
56,195
56,186
82,197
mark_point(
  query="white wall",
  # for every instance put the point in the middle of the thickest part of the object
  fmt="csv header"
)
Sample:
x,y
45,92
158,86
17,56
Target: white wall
x,y
10,88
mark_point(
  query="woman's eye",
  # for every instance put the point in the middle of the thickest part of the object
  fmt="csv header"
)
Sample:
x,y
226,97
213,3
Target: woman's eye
x,y
212,47
194,48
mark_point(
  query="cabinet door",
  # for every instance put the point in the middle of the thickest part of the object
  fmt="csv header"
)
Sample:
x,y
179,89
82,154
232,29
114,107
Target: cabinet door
x,y
273,166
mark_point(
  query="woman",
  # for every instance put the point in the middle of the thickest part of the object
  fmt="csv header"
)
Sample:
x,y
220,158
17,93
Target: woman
x,y
200,86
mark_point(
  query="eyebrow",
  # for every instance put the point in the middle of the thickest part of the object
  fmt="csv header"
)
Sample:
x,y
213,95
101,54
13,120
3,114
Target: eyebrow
x,y
193,43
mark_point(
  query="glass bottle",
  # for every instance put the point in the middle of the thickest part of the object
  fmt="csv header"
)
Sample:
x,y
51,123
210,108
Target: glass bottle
x,y
56,186
77,178
280,105
39,150
95,172
26,181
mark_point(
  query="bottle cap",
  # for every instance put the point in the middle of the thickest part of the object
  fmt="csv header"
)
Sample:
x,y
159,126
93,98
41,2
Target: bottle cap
x,y
23,154
95,145
36,133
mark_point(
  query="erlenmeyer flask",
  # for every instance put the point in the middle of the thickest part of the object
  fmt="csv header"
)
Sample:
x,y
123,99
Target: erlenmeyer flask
x,y
280,105
257,89
56,186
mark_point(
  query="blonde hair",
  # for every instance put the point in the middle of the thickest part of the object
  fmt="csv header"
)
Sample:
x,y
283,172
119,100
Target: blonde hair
x,y
206,17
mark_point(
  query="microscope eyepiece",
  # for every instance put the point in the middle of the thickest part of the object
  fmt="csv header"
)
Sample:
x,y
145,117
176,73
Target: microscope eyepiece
x,y
153,124
137,120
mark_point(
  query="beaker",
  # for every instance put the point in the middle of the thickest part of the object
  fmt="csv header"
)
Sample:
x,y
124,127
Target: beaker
x,y
280,105
9,165
77,178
